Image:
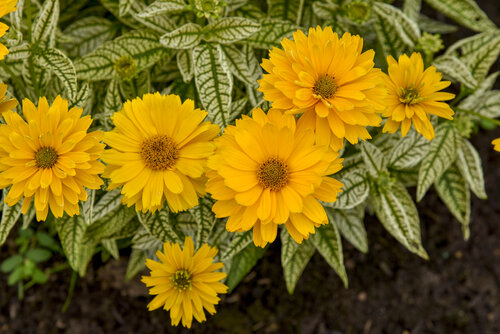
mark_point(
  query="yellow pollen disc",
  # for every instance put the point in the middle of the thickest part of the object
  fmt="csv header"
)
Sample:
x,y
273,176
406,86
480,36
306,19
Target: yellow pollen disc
x,y
273,174
181,280
45,157
325,86
159,152
409,96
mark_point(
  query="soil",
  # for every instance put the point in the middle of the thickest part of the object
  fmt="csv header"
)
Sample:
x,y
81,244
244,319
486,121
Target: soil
x,y
390,290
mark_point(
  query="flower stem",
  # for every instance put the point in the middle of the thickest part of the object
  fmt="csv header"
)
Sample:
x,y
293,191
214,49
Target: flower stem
x,y
473,113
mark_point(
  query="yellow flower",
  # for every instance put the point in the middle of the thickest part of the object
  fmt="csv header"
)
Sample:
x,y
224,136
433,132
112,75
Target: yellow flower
x,y
6,7
159,149
185,282
50,156
6,105
413,95
265,173
328,79
496,143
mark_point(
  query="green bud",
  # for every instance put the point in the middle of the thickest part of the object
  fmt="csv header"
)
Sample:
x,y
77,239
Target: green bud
x,y
429,43
208,8
358,11
125,67
464,124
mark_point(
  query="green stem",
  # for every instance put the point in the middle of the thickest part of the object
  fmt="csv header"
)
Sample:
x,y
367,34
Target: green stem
x,y
20,290
473,113
57,268
463,92
72,285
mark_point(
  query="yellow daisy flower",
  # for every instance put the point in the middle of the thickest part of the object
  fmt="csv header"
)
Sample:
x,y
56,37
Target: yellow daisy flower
x,y
6,7
330,80
496,143
185,282
159,149
413,95
265,173
49,156
6,105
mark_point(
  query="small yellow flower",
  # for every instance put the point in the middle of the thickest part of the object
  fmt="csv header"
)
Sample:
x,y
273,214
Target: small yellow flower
x,y
496,144
6,7
413,95
159,149
185,282
6,105
265,172
330,80
49,156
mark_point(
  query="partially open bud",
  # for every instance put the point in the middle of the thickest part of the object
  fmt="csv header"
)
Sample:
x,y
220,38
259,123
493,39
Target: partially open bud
x,y
358,11
125,67
429,43
207,8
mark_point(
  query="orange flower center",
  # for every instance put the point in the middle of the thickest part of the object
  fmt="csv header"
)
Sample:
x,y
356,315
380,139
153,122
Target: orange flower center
x,y
45,157
159,152
409,95
181,280
273,173
325,86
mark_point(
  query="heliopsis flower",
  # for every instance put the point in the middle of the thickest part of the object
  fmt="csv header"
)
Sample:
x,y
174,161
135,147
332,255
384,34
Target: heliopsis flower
x,y
159,149
5,105
330,80
6,7
185,282
496,144
265,172
49,156
413,95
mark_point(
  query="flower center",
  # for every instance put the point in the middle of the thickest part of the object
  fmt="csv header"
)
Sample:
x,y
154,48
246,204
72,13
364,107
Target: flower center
x,y
181,280
409,95
325,86
159,152
273,174
45,157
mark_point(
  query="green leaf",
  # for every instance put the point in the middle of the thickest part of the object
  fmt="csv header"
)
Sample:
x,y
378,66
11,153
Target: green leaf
x,y
214,82
230,29
10,215
456,70
87,34
454,192
350,224
110,201
86,253
46,240
111,247
409,151
185,64
271,33
469,164
476,99
185,37
161,7
354,192
407,30
240,241
45,25
327,242
478,52
137,86
442,153
16,276
109,224
464,12
490,106
294,259
11,263
136,263
389,39
83,99
411,8
124,6
374,159
61,66
143,240
408,177
397,212
160,226
242,263
71,232
205,219
39,276
235,59
112,104
286,10
38,254
237,108
141,45
435,27
250,11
